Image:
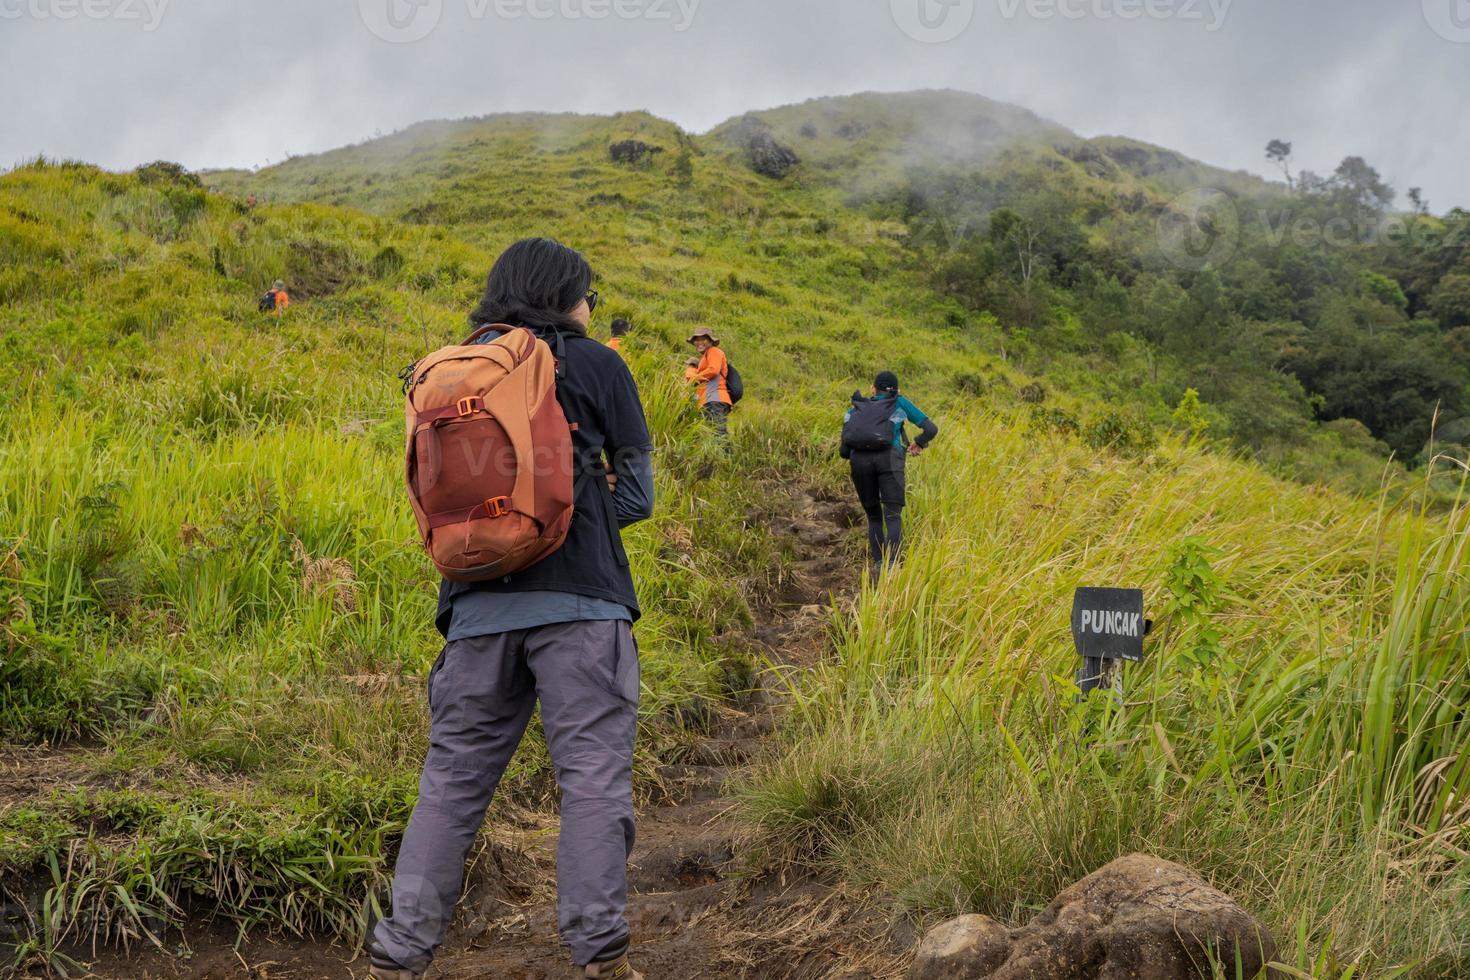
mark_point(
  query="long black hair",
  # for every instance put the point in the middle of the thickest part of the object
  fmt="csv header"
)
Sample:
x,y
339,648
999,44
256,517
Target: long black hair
x,y
535,283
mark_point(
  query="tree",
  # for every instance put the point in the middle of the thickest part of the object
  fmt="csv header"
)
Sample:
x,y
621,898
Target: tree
x,y
1190,415
1280,151
1416,198
1018,239
1383,289
1360,191
1450,302
684,168
1390,383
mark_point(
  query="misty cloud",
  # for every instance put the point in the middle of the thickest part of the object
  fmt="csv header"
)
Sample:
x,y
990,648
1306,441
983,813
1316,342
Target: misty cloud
x,y
211,84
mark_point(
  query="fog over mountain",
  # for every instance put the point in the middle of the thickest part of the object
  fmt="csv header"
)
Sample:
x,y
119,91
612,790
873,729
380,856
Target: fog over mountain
x,y
212,84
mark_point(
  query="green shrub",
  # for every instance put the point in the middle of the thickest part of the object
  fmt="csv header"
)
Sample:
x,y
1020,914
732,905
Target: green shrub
x,y
1121,432
1055,419
168,174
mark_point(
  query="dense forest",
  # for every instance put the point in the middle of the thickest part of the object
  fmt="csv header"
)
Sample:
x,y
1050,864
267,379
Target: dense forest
x,y
1277,305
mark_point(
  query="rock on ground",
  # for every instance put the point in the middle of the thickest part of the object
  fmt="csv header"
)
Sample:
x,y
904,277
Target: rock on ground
x,y
1138,918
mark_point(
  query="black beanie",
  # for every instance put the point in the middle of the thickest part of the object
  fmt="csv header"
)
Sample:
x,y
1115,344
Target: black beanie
x,y
886,381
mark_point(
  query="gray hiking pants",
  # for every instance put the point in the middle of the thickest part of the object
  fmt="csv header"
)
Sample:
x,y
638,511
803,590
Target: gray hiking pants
x,y
481,694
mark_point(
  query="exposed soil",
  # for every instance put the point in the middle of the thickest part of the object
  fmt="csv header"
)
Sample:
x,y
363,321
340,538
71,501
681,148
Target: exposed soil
x,y
28,772
699,907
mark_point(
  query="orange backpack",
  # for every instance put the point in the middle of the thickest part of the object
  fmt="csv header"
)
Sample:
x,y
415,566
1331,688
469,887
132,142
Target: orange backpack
x,y
490,463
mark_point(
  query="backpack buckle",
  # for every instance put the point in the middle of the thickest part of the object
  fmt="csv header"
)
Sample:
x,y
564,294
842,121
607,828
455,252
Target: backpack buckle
x,y
470,405
497,507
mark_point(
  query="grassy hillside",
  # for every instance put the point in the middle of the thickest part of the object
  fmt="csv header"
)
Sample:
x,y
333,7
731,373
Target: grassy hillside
x,y
1298,731
865,141
871,142
214,595
217,619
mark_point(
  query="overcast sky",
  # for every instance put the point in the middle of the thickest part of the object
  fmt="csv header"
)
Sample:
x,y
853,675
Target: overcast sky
x,y
214,83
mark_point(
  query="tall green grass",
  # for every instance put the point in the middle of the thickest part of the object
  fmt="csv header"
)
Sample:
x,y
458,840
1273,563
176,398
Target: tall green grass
x,y
1300,730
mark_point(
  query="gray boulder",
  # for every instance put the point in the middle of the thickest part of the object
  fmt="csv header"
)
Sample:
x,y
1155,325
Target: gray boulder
x,y
1138,918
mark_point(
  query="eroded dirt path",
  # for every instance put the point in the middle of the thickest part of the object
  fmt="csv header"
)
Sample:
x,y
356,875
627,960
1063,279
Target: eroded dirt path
x,y
699,908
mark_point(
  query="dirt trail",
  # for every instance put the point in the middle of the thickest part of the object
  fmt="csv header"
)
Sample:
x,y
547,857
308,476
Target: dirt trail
x,y
698,908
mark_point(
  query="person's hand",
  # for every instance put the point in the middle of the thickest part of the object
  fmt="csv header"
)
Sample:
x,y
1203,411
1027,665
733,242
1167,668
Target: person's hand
x,y
612,477
915,449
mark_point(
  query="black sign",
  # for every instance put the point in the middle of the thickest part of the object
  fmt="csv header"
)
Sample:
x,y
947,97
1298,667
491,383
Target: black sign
x,y
1108,624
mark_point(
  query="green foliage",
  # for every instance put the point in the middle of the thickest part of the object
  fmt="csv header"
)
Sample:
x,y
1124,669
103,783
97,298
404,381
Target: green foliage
x,y
1383,289
1055,419
1450,302
684,168
166,173
1190,416
970,384
1062,242
387,264
1391,383
1194,593
1120,432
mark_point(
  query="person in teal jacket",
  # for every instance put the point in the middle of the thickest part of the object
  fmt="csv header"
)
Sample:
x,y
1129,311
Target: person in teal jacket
x,y
880,477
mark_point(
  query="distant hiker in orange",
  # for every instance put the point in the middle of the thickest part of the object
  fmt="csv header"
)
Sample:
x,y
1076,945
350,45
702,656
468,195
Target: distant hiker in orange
x,y
276,300
710,371
620,329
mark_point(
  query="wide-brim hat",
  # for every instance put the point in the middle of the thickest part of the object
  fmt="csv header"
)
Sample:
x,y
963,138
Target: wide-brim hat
x,y
706,333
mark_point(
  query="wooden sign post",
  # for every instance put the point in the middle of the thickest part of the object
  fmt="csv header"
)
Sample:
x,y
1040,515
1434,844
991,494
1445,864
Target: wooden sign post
x,y
1107,628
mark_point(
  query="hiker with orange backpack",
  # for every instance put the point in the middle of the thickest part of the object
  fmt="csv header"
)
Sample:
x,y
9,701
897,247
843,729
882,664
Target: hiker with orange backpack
x,y
527,423
717,385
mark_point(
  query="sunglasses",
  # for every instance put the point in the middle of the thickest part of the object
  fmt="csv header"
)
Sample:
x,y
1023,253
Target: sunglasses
x,y
592,299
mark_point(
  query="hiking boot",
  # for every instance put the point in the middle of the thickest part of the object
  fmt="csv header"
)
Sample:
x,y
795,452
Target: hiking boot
x,y
384,968
618,969
391,973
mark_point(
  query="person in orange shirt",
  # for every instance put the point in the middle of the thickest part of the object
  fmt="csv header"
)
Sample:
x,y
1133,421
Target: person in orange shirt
x,y
710,371
620,329
281,297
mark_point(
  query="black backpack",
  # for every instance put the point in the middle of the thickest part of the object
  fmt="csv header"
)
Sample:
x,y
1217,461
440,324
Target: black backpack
x,y
869,427
268,302
733,384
